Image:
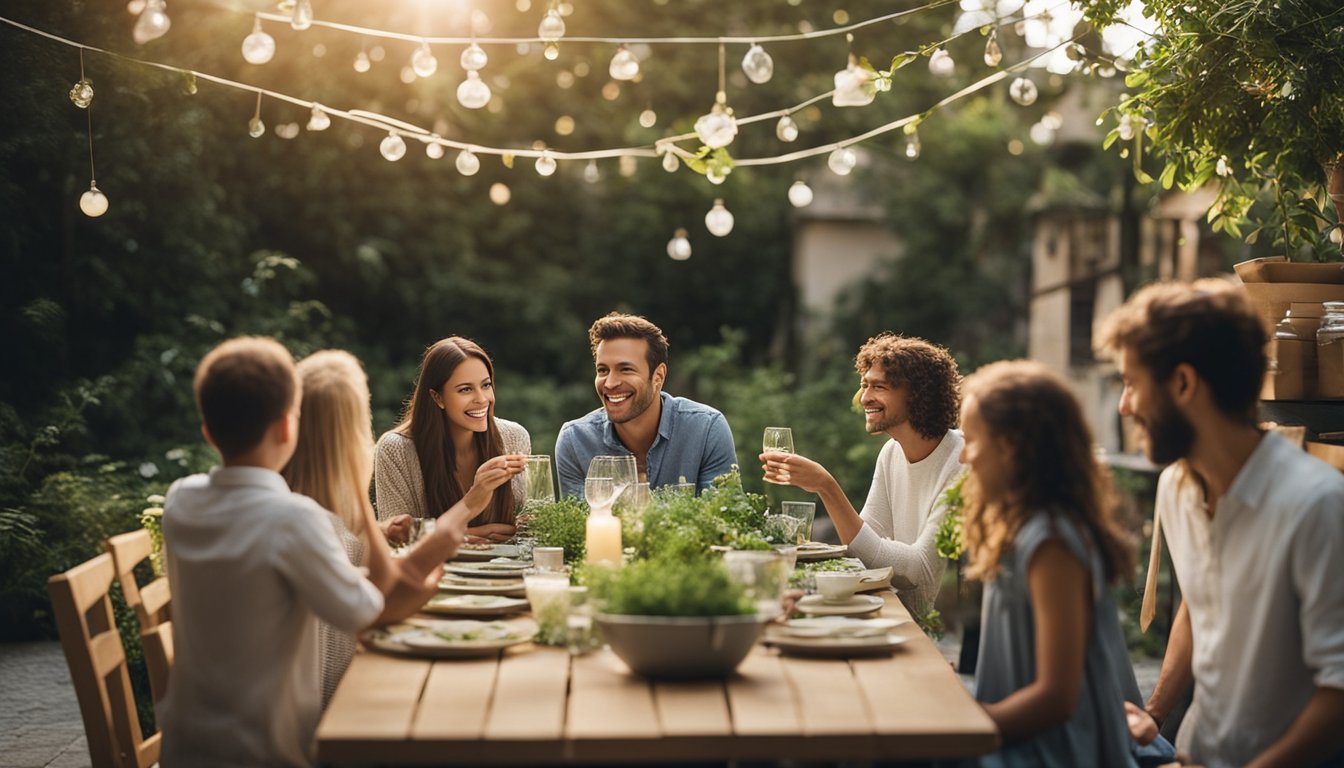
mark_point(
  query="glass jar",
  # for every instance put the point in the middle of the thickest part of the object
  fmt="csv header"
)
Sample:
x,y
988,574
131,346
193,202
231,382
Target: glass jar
x,y
1330,352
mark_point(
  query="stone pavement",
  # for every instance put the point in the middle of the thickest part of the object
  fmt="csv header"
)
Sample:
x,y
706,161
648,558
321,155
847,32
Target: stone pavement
x,y
39,717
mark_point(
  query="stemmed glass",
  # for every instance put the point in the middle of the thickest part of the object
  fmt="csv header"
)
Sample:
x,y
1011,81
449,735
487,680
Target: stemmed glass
x,y
617,471
777,440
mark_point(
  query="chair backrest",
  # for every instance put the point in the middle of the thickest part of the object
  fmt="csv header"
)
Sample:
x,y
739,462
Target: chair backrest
x,y
83,610
151,604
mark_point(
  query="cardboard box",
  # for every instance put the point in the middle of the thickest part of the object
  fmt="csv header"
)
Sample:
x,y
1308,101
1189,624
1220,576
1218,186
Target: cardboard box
x,y
1295,372
1331,454
1272,300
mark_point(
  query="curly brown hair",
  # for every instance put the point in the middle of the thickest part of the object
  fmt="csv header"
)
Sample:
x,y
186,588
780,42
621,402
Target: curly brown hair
x,y
617,325
1054,468
934,395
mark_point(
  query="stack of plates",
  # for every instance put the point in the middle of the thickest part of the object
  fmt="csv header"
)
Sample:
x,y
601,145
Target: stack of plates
x,y
440,639
835,636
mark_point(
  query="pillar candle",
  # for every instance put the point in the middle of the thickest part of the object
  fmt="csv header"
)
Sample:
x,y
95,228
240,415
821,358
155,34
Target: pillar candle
x,y
603,538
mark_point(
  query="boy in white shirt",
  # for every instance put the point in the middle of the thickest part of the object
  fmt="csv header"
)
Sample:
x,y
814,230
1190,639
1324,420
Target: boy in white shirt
x,y
252,567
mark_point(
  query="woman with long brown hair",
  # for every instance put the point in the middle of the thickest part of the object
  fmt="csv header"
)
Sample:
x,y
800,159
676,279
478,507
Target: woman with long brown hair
x,y
448,441
1053,672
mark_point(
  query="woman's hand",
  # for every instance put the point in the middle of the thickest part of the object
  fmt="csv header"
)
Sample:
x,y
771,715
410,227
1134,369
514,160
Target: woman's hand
x,y
792,469
490,533
490,476
397,529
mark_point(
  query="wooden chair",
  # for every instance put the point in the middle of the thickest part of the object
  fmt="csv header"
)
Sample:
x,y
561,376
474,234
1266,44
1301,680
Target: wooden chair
x,y
83,610
150,603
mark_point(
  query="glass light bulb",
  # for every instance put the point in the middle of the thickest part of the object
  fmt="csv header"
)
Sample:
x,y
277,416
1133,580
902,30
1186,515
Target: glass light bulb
x,y
590,172
473,93
93,203
758,65
912,145
500,194
81,93
423,61
256,128
679,248
258,47
302,17
468,163
842,161
716,175
362,62
648,118
134,7
671,162
993,53
719,220
319,120
716,129
941,64
545,164
551,52
433,149
624,65
152,24
854,87
800,194
393,147
474,58
786,129
1023,91
552,27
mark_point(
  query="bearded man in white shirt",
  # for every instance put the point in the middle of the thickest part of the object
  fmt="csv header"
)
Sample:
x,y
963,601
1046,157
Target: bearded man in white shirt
x,y
1254,525
910,390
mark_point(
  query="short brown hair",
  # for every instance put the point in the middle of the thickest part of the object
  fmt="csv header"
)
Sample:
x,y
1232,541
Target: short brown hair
x,y
1209,324
621,326
242,387
934,395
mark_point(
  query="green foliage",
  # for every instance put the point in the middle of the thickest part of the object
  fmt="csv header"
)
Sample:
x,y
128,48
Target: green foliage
x,y
668,586
949,540
561,523
683,527
930,621
1247,94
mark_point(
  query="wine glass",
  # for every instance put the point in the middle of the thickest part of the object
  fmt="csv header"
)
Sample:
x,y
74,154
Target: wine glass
x,y
778,439
624,474
619,470
600,492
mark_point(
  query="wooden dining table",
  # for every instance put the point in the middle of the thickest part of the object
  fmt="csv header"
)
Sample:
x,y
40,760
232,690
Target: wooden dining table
x,y
538,705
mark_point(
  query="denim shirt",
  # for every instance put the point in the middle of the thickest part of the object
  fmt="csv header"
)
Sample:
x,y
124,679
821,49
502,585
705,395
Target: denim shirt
x,y
693,441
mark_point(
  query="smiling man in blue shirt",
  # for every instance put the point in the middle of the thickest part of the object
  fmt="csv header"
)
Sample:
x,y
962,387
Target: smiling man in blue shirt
x,y
670,437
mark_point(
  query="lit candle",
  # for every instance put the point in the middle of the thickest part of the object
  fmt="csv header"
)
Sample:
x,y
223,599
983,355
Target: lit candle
x,y
604,538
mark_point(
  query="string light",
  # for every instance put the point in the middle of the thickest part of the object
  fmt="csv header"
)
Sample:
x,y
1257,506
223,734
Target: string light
x,y
911,142
1023,91
679,247
842,161
941,63
255,127
590,172
800,195
81,93
152,24
648,118
433,149
786,129
854,86
552,27
624,65
318,120
393,147
717,129
758,65
423,61
467,163
93,202
993,53
362,62
303,15
719,220
258,47
474,58
473,93
671,162
545,164
500,194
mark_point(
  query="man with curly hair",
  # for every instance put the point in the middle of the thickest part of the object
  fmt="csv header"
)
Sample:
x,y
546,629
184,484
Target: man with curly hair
x,y
911,391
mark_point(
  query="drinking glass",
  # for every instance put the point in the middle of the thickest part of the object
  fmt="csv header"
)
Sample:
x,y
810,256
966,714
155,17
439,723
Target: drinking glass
x,y
778,439
600,492
620,471
538,480
548,594
804,512
763,575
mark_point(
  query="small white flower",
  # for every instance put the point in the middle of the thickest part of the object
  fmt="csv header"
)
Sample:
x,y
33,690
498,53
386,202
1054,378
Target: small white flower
x,y
1224,167
149,469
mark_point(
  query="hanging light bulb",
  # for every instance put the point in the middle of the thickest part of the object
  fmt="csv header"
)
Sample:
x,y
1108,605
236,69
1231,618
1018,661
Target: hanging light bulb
x,y
319,120
786,129
911,142
671,162
679,248
467,163
134,7
152,24
993,53
842,161
648,118
551,52
1023,91
474,58
854,86
800,194
434,149
545,164
423,61
590,172
941,64
473,93
362,62
624,65
93,203
393,147
302,17
716,174
258,47
718,128
552,27
758,65
81,93
719,220
255,127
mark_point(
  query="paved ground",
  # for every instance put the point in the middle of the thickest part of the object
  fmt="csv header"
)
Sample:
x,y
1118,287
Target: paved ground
x,y
39,717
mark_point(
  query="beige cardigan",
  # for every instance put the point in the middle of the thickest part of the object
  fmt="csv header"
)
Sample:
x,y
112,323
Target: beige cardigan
x,y
399,488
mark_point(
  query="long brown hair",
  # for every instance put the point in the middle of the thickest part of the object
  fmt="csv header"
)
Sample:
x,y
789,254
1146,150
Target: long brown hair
x,y
427,426
1054,469
333,460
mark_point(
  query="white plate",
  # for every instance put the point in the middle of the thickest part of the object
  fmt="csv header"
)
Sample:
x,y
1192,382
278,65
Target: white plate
x,y
815,550
494,550
475,586
837,626
857,605
489,570
441,639
833,646
475,605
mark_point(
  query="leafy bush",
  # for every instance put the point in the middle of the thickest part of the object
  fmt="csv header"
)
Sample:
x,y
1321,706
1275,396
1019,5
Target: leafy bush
x,y
666,586
561,523
948,539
